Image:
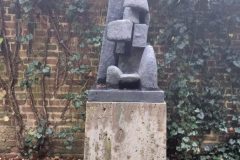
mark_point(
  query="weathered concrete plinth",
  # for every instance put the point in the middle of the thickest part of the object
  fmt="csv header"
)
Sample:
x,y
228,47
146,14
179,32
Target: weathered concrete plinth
x,y
125,131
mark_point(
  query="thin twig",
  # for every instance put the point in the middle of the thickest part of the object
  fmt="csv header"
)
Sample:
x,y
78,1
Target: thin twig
x,y
68,101
32,101
10,83
43,84
59,38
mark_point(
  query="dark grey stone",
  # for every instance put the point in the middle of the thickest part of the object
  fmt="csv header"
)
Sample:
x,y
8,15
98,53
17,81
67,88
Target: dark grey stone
x,y
115,95
120,30
129,77
147,18
131,14
148,69
115,12
137,4
129,62
120,47
113,75
136,62
140,35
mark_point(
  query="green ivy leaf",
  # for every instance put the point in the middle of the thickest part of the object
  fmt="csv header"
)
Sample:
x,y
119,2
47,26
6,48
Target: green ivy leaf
x,y
186,139
173,132
200,62
197,110
237,130
169,57
181,45
238,141
201,115
22,1
232,141
46,71
206,148
223,129
234,118
180,131
49,131
194,144
1,40
222,149
236,63
70,139
77,104
38,135
69,147
194,133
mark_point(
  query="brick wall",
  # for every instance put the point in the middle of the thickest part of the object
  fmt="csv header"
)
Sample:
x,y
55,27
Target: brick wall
x,y
55,102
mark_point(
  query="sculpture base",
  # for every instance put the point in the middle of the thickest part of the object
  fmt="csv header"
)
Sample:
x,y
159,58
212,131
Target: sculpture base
x,y
116,95
125,131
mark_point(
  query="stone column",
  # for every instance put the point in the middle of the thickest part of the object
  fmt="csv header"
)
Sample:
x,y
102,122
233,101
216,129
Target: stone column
x,y
124,129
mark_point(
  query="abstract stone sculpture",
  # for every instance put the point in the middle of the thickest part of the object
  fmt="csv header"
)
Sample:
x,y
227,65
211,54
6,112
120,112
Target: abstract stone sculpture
x,y
127,61
126,113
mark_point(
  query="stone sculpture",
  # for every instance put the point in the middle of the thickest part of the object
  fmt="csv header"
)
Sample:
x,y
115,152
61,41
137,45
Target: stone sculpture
x,y
127,61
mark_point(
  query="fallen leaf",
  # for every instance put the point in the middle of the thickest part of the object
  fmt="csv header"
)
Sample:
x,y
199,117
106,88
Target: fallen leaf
x,y
6,118
2,94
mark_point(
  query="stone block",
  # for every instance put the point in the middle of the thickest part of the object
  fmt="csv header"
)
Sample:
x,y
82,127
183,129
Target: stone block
x,y
120,47
129,81
130,77
125,131
120,30
116,95
131,14
137,4
140,35
113,75
114,12
147,19
148,69
129,62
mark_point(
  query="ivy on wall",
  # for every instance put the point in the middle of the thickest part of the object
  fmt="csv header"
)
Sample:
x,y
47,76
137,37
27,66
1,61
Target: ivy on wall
x,y
35,142
197,38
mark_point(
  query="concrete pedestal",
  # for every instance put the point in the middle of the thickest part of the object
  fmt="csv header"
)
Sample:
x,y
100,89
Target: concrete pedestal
x,y
125,131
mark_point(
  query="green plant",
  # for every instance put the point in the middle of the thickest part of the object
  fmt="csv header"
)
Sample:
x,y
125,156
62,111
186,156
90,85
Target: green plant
x,y
36,138
33,73
68,135
35,142
194,33
78,100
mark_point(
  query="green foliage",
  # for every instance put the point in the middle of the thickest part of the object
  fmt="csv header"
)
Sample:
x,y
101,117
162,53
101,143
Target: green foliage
x,y
75,9
93,36
25,39
69,135
75,67
1,40
35,143
229,151
194,33
26,5
33,73
36,138
78,100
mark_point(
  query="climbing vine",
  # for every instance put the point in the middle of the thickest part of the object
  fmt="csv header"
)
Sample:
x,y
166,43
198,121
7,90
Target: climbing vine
x,y
35,142
203,69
